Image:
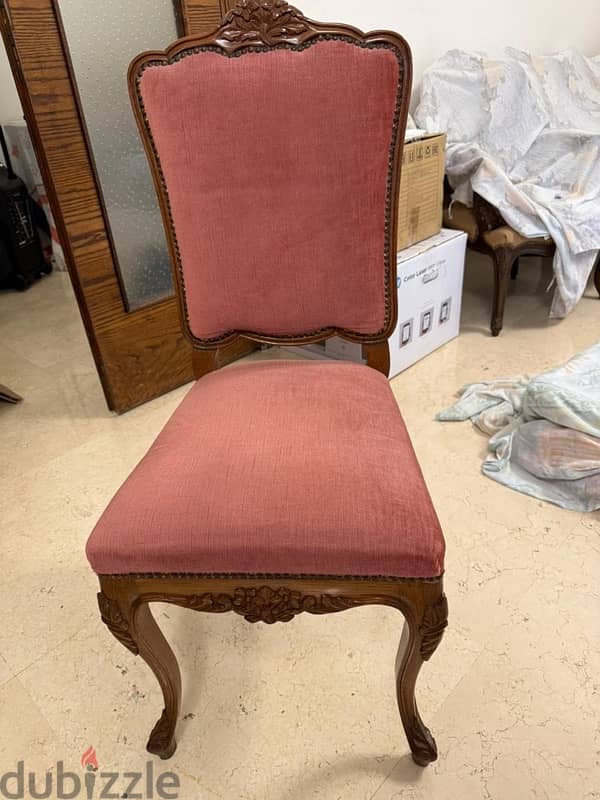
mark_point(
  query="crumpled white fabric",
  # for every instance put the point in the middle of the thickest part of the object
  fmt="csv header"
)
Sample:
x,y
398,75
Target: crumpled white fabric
x,y
545,431
524,133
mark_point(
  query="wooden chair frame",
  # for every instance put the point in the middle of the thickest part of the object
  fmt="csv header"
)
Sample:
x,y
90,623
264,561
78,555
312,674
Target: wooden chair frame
x,y
124,606
124,599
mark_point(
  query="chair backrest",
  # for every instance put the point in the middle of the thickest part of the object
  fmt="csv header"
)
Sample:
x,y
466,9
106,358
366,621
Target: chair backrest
x,y
275,144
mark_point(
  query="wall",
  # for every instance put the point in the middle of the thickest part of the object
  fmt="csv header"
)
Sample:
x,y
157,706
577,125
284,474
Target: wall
x,y
431,28
10,107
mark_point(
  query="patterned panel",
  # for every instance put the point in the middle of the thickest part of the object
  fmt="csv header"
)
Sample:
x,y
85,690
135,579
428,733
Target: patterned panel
x,y
102,40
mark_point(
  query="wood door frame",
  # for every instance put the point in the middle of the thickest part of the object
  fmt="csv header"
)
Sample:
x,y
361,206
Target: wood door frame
x,y
138,354
200,16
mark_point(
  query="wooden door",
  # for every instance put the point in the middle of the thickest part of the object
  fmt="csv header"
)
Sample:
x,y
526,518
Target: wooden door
x,y
138,347
201,16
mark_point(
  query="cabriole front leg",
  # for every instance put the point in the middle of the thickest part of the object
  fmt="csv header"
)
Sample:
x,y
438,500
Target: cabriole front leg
x,y
425,622
130,620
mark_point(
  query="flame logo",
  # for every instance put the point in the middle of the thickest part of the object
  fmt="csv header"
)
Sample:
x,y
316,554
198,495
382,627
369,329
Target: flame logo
x,y
89,758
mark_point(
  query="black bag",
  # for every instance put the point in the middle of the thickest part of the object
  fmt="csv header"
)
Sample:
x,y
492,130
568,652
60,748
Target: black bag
x,y
22,258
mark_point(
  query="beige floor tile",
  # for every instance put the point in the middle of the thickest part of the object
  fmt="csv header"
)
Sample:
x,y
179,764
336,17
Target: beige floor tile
x,y
26,735
18,373
5,671
43,323
104,697
50,421
46,606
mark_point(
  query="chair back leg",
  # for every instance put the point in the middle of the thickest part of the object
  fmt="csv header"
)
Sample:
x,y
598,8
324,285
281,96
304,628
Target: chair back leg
x,y
378,357
502,259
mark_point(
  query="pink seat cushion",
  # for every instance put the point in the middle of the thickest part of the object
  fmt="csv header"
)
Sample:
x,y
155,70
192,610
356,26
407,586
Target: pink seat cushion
x,y
276,167
278,467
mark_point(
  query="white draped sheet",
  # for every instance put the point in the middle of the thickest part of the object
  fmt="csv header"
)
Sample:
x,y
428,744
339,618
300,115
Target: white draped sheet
x,y
524,133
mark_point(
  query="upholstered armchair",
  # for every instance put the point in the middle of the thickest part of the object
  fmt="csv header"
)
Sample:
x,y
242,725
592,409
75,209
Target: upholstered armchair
x,y
488,233
280,487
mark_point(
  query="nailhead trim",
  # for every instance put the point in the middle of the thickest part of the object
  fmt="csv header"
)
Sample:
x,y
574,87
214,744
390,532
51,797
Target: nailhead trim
x,y
266,576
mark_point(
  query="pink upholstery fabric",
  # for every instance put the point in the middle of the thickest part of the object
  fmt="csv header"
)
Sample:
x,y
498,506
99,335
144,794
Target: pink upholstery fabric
x,y
276,167
277,467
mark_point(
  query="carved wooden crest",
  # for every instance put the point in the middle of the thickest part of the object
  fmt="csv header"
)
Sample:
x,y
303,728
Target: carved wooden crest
x,y
263,21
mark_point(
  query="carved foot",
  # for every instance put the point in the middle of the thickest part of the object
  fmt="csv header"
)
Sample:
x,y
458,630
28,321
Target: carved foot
x,y
162,739
422,745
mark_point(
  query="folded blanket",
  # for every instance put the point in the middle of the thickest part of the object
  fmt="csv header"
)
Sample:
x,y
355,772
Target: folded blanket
x,y
546,431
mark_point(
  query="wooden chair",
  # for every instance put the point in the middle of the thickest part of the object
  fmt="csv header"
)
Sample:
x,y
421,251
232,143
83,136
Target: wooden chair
x,y
280,487
488,233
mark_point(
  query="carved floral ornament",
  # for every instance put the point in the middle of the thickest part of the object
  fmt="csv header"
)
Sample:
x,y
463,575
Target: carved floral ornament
x,y
265,604
263,20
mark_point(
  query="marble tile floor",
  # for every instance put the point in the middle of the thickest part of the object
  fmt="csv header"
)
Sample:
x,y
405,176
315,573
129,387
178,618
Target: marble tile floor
x,y
304,710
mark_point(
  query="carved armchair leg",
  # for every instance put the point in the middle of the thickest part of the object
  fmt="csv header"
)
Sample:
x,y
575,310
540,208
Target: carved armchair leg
x,y
503,260
132,623
597,274
422,633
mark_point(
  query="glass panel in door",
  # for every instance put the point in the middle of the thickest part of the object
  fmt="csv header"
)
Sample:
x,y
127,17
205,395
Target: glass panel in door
x,y
102,39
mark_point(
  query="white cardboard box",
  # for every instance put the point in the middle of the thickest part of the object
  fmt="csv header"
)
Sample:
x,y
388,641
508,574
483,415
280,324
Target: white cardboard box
x,y
430,282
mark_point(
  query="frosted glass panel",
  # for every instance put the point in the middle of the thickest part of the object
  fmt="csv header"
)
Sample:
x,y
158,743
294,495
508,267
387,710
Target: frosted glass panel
x,y
103,38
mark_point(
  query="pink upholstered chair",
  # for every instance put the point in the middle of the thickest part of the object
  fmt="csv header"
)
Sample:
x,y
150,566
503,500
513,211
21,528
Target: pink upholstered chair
x,y
279,487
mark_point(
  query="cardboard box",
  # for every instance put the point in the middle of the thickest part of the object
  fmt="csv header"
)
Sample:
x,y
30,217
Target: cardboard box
x,y
430,282
421,189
